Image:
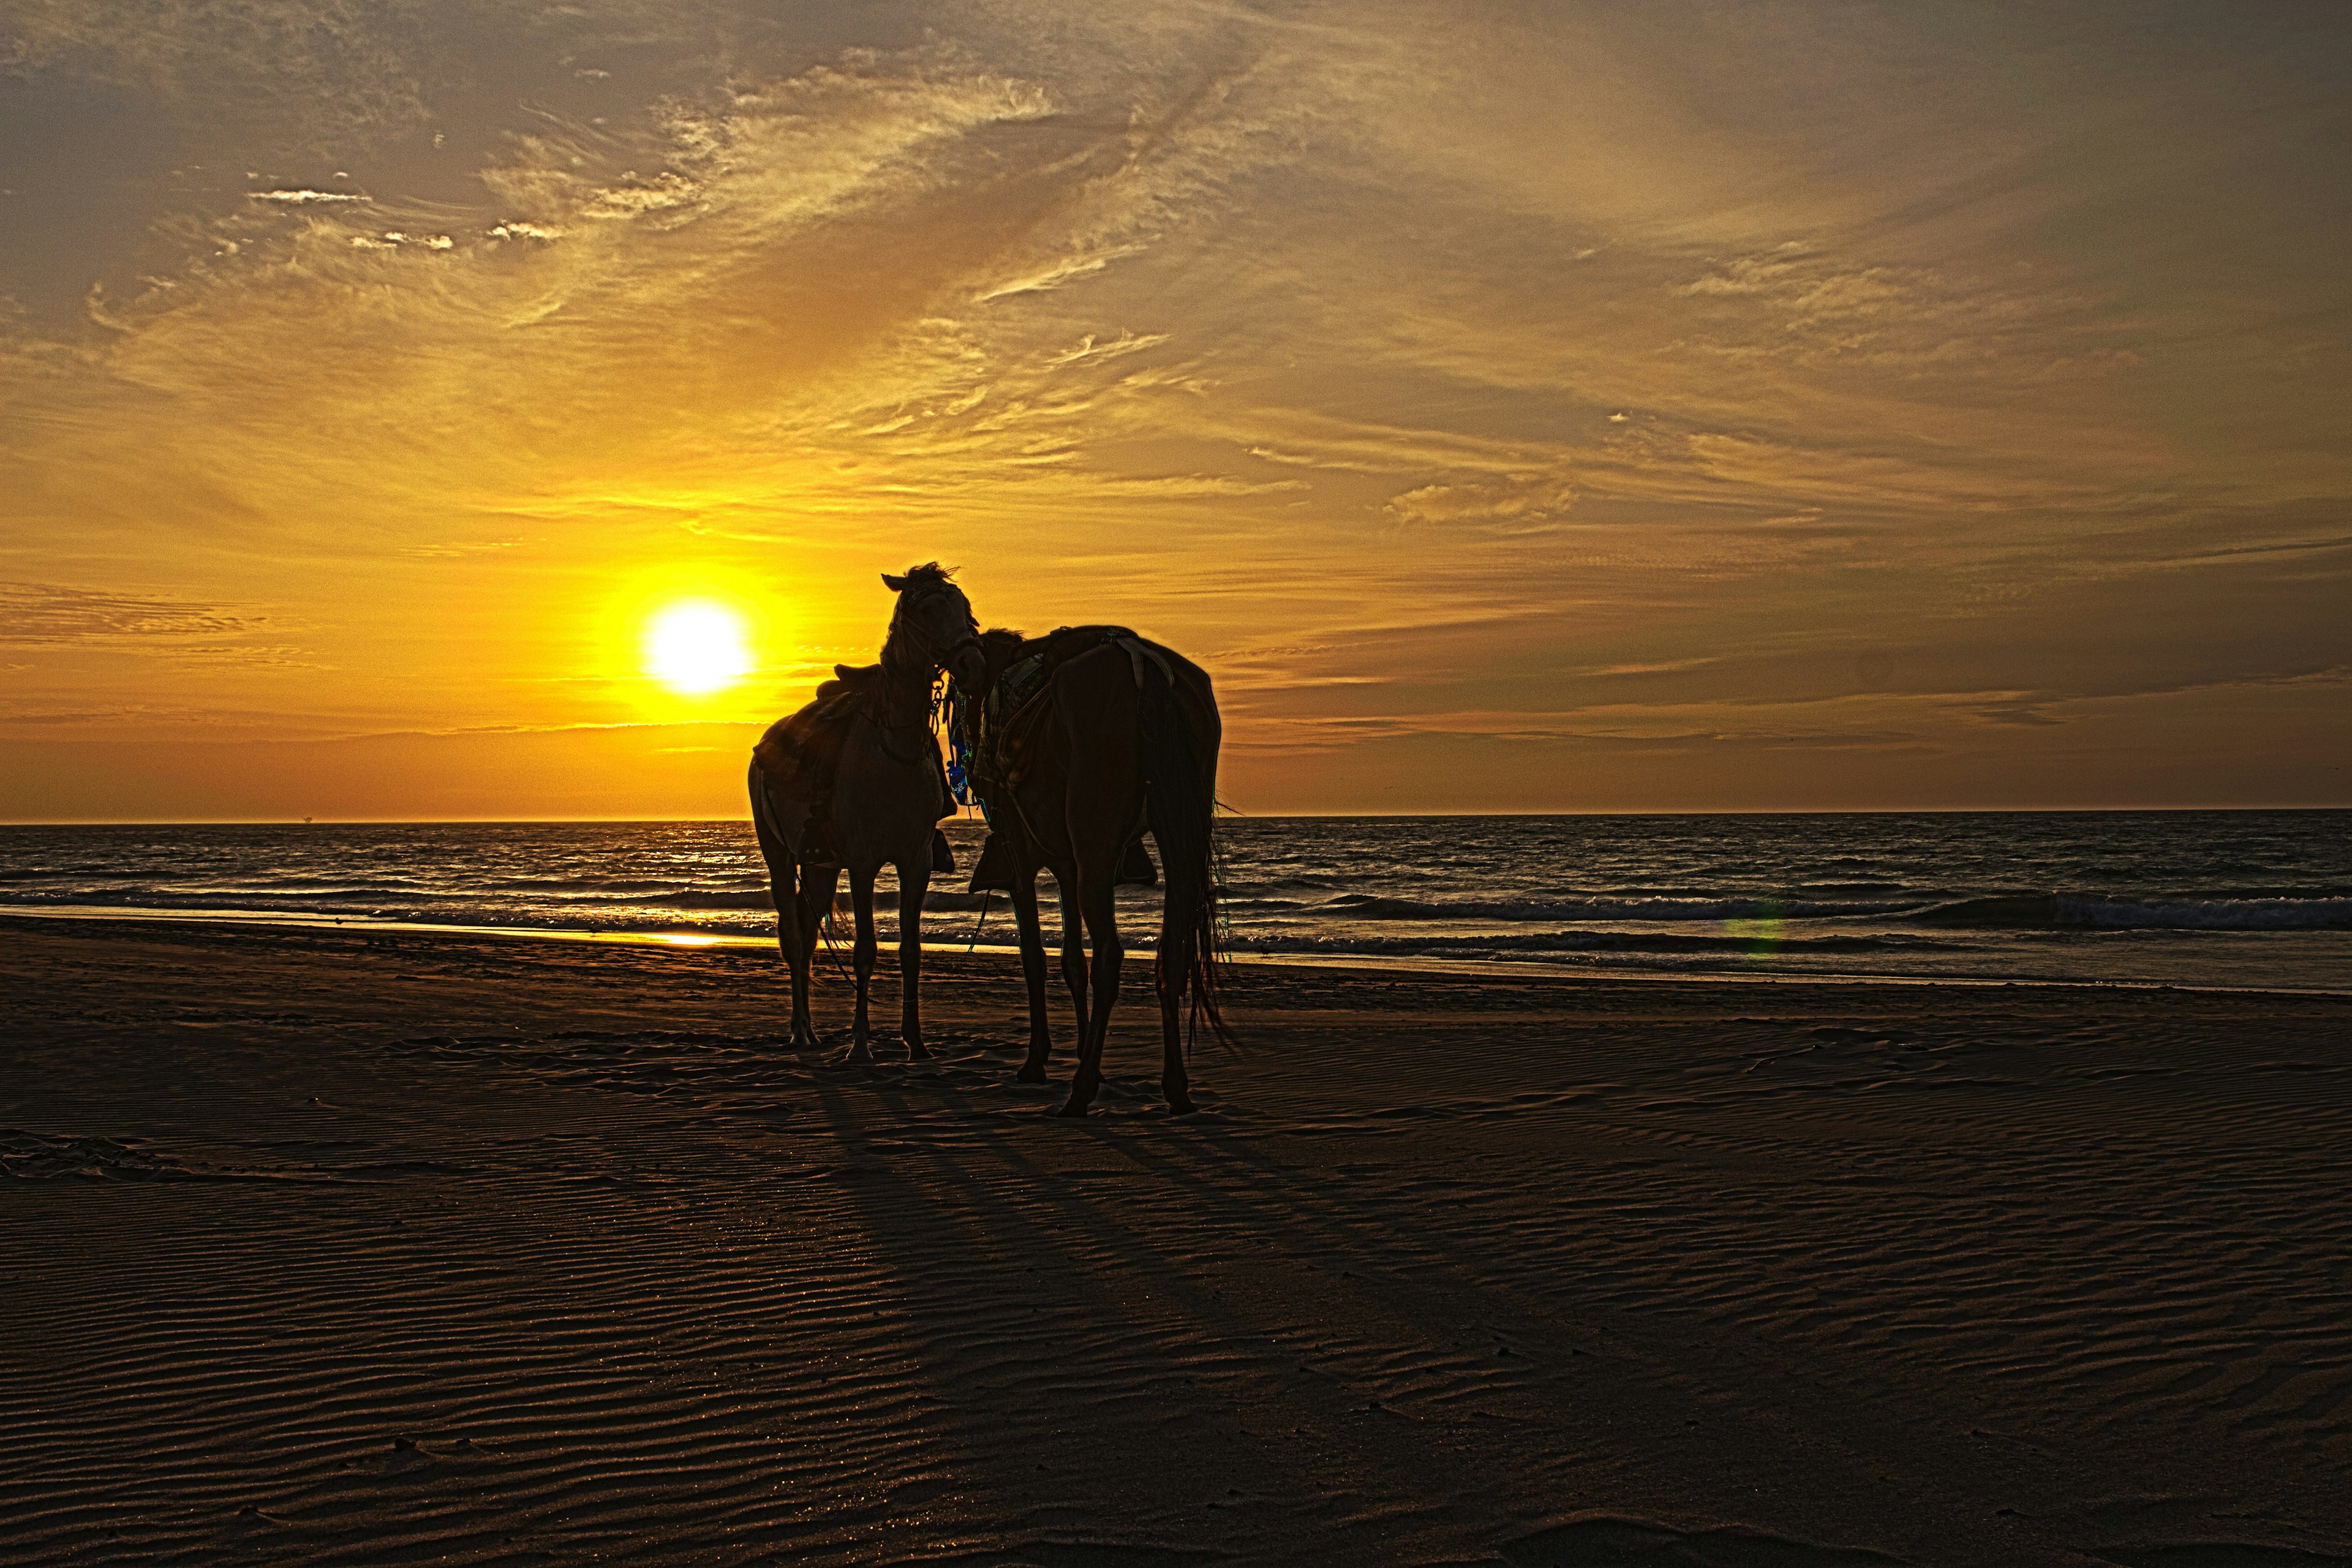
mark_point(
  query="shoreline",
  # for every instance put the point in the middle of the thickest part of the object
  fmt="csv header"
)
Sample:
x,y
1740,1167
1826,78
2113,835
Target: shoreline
x,y
1400,965
1413,964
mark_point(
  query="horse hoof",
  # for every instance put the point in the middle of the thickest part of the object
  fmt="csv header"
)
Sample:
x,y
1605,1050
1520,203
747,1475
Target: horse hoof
x,y
1030,1075
1182,1108
1071,1108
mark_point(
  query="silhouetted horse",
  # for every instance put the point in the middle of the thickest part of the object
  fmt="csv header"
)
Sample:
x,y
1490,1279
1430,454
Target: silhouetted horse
x,y
888,797
1080,741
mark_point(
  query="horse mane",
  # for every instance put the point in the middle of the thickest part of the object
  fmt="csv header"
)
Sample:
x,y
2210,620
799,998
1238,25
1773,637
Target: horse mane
x,y
929,571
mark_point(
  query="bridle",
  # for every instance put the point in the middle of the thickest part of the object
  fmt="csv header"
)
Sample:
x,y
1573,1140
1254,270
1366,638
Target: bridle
x,y
935,660
939,658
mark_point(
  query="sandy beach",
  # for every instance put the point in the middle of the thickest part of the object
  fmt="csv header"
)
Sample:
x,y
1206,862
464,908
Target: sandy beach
x,y
326,1247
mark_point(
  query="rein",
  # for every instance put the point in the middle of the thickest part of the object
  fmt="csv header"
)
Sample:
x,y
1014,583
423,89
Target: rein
x,y
948,715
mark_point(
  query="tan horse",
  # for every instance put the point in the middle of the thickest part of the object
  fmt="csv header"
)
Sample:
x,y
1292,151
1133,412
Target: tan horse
x,y
888,797
1106,735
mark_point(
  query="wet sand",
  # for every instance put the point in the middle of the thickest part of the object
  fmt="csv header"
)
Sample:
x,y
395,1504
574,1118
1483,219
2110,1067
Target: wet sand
x,y
326,1247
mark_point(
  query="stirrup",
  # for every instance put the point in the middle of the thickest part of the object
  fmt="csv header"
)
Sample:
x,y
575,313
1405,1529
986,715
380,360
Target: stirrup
x,y
995,872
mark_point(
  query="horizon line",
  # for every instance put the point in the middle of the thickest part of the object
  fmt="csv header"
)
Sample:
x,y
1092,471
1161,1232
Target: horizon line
x,y
1226,816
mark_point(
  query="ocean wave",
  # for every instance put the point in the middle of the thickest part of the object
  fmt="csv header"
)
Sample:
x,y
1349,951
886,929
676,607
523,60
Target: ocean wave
x,y
937,899
688,898
943,902
578,887
57,873
2064,911
224,899
1583,942
1367,907
684,907
1988,913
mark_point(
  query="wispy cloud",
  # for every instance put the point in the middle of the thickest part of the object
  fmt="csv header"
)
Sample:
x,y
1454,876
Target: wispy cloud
x,y
51,614
302,198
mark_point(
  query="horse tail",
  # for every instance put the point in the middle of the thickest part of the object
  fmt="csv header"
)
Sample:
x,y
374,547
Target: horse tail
x,y
1183,819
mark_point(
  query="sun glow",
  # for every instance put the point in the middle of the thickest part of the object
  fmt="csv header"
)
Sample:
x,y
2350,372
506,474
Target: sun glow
x,y
697,648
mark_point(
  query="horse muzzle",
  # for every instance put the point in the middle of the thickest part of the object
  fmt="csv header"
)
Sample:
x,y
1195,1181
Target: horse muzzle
x,y
967,663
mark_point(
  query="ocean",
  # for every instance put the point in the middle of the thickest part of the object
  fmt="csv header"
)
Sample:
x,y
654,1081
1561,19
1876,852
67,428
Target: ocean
x,y
2245,899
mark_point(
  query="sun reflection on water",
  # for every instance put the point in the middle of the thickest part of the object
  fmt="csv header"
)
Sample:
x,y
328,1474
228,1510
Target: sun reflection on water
x,y
1761,931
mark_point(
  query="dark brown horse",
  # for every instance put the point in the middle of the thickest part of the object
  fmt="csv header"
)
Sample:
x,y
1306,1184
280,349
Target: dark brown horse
x,y
1082,742
888,795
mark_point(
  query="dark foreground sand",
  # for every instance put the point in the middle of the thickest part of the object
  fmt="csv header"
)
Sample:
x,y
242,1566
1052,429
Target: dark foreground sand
x,y
320,1248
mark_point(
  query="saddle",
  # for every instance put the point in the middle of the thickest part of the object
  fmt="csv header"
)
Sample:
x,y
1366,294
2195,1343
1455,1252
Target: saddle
x,y
801,751
1002,726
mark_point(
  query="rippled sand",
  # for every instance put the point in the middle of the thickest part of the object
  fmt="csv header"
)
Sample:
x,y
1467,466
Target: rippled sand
x,y
323,1248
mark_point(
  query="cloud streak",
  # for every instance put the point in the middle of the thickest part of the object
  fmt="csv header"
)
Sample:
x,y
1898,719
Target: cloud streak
x,y
48,614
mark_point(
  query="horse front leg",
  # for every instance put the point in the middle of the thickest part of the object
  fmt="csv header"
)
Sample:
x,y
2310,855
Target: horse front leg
x,y
1033,973
861,901
912,881
1099,905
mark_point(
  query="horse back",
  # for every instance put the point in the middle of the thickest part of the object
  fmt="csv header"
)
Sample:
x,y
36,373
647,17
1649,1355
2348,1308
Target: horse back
x,y
795,749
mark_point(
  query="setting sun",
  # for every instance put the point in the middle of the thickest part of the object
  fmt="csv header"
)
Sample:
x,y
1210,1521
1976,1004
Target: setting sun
x,y
697,648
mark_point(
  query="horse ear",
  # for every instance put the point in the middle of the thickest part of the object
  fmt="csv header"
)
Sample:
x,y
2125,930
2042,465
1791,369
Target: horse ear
x,y
896,585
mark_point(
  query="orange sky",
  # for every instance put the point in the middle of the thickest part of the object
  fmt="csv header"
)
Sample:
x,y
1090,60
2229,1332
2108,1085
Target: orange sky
x,y
1664,406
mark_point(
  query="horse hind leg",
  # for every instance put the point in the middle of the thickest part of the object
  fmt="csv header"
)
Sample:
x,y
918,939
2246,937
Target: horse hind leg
x,y
789,948
791,915
791,920
861,898
1074,947
1033,973
1099,906
815,904
1172,971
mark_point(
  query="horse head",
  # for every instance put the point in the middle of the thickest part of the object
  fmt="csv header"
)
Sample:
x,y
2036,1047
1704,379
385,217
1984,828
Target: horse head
x,y
936,619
